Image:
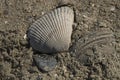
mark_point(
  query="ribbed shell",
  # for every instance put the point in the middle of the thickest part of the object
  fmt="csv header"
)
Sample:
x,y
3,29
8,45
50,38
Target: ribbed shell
x,y
52,32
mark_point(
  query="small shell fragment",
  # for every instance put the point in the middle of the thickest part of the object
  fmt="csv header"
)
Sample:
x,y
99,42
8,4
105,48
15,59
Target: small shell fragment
x,y
25,36
52,32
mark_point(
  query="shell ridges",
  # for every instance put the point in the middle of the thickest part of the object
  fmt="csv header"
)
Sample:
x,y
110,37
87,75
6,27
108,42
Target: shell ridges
x,y
52,32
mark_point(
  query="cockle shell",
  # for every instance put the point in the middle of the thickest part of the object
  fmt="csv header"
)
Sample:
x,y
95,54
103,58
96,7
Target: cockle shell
x,y
52,32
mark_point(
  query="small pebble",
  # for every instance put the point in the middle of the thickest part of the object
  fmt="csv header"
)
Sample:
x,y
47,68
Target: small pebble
x,y
64,68
93,5
25,37
112,8
43,13
24,42
55,75
84,16
45,62
71,76
102,24
6,22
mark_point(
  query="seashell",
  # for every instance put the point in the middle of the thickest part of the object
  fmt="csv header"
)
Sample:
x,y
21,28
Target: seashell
x,y
102,36
52,32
